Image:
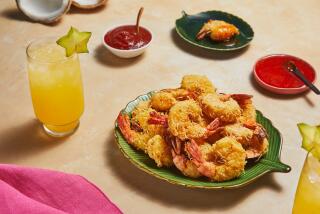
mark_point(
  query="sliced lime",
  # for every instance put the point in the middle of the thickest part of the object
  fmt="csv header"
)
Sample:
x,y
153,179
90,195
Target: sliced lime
x,y
310,138
75,41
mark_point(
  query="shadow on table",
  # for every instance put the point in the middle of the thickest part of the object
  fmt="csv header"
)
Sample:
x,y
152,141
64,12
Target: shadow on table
x,y
105,57
173,195
280,96
24,140
17,15
14,14
202,52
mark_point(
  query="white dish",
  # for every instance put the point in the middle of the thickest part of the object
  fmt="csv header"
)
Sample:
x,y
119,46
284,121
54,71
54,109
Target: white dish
x,y
126,53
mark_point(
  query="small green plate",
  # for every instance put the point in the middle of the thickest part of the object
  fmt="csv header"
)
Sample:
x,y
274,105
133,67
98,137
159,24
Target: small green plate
x,y
189,25
269,163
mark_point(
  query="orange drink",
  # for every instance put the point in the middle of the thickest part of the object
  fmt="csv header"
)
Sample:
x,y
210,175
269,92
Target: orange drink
x,y
55,86
307,200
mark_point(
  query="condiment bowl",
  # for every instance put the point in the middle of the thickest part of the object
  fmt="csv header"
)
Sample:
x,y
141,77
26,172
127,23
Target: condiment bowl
x,y
126,53
281,90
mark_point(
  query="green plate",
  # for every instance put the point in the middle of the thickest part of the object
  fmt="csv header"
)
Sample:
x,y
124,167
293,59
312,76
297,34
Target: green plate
x,y
189,25
269,163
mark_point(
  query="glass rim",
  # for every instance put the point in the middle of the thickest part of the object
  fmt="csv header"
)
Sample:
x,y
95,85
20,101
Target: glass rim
x,y
49,39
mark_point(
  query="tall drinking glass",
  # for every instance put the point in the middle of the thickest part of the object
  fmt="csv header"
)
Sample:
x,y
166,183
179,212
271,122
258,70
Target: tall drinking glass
x,y
307,199
55,86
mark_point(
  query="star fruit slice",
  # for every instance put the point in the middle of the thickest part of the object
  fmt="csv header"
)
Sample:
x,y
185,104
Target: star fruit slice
x,y
75,41
310,138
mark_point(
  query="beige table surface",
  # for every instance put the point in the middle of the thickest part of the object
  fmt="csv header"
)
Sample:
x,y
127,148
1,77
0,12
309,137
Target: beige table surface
x,y
285,26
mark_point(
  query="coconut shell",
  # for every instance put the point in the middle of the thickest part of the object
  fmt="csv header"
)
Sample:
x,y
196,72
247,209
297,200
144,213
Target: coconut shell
x,y
88,4
30,10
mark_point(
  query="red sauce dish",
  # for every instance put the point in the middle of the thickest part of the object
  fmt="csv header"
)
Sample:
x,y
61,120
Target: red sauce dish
x,y
126,37
124,41
271,73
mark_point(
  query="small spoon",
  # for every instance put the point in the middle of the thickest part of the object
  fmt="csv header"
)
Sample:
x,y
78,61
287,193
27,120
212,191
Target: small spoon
x,y
138,19
293,69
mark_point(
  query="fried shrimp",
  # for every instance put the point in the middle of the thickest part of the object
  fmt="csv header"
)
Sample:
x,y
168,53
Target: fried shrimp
x,y
136,138
196,130
218,30
141,116
165,99
137,130
217,106
197,84
162,101
251,135
180,94
159,151
248,111
223,161
185,121
242,134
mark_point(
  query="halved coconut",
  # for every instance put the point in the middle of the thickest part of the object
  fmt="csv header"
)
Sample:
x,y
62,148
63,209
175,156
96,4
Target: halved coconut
x,y
44,11
88,4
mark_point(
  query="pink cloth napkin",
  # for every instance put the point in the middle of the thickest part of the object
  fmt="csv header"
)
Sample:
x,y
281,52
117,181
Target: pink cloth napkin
x,y
29,190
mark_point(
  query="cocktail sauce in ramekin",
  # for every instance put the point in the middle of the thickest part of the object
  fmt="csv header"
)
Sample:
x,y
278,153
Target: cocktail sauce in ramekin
x,y
126,37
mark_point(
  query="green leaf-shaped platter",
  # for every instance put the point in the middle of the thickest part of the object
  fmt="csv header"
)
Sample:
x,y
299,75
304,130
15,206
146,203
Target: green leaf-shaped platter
x,y
189,25
268,163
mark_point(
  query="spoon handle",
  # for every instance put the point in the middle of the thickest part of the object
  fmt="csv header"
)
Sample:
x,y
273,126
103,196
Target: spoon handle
x,y
138,19
293,68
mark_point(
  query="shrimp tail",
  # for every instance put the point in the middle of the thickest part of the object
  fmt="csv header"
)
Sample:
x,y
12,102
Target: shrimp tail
x,y
192,149
123,121
259,134
197,158
241,98
158,119
178,159
176,146
259,131
213,128
202,33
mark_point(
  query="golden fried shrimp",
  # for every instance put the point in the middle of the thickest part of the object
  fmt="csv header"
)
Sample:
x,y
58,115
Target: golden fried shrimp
x,y
180,94
181,161
251,135
223,161
162,101
141,116
248,111
216,106
185,121
242,134
159,151
197,84
137,138
218,30
137,130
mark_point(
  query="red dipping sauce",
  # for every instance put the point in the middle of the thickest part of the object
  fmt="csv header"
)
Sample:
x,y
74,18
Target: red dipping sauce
x,y
126,37
272,71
